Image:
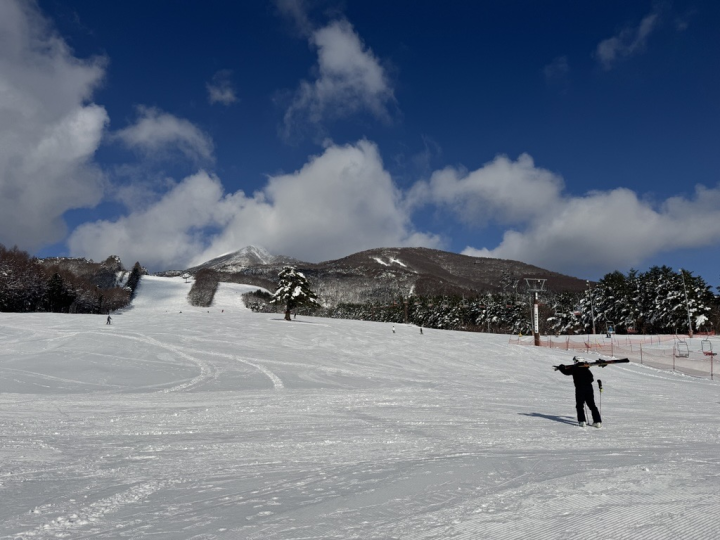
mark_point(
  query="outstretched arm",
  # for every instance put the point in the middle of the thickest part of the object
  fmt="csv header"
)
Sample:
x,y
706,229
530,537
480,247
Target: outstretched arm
x,y
568,370
565,370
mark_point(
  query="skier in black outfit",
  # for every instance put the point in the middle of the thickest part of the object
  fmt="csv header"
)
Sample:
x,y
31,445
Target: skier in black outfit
x,y
583,379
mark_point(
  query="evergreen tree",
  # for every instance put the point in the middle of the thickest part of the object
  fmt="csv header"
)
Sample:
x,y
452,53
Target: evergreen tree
x,y
135,274
293,291
632,307
505,312
698,299
610,300
59,295
657,295
22,282
566,316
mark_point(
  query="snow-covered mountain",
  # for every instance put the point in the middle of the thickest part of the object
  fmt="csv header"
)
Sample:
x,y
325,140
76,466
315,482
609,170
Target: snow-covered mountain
x,y
247,257
383,273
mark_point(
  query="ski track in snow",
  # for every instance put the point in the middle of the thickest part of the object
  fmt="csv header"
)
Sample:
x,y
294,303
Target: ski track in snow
x,y
207,370
276,381
212,424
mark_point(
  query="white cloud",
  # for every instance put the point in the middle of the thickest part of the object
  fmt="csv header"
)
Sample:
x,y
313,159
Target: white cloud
x,y
343,201
600,231
350,80
340,202
627,42
158,133
603,230
220,89
502,190
48,131
162,235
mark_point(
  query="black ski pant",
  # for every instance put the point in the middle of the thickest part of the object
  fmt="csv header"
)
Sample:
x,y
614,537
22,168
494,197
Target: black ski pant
x,y
584,394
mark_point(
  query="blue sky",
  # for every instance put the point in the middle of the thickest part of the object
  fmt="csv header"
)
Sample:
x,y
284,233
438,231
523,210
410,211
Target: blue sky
x,y
582,137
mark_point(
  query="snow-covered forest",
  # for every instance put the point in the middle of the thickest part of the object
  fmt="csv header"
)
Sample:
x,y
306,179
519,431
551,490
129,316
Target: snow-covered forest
x,y
657,301
28,284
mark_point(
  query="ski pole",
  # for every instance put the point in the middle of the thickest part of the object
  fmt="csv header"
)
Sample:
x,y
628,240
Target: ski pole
x,y
600,387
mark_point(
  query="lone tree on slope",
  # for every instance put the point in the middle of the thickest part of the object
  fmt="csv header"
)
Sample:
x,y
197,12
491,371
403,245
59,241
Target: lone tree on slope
x,y
293,291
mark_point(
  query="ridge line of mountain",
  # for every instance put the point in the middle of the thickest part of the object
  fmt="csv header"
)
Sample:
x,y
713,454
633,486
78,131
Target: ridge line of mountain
x,y
383,272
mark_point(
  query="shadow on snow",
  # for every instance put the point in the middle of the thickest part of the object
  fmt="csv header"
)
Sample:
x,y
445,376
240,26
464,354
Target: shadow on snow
x,y
561,419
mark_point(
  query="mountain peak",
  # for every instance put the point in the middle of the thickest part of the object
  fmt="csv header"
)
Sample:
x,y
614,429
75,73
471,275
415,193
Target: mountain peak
x,y
243,258
253,252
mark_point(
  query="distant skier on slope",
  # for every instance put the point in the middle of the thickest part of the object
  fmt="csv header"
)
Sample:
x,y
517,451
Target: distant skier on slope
x,y
109,320
583,379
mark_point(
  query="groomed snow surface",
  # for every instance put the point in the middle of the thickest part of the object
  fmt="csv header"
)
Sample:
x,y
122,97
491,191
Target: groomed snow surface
x,y
213,424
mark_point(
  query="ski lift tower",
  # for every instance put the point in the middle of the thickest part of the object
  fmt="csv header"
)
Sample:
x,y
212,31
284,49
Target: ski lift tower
x,y
534,286
687,306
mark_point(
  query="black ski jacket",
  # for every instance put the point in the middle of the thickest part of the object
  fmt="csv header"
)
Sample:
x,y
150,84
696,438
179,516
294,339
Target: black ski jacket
x,y
581,375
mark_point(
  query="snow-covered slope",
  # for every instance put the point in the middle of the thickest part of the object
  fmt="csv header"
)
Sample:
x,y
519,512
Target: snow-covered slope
x,y
160,294
219,423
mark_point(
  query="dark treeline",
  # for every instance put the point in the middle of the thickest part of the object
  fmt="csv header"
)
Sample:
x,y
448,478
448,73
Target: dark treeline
x,y
498,312
657,301
204,288
28,284
206,283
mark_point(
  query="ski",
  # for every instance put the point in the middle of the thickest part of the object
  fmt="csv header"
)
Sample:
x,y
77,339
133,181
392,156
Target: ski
x,y
602,363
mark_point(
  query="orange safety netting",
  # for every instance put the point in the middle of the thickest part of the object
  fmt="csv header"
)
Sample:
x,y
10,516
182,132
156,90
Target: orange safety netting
x,y
658,351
